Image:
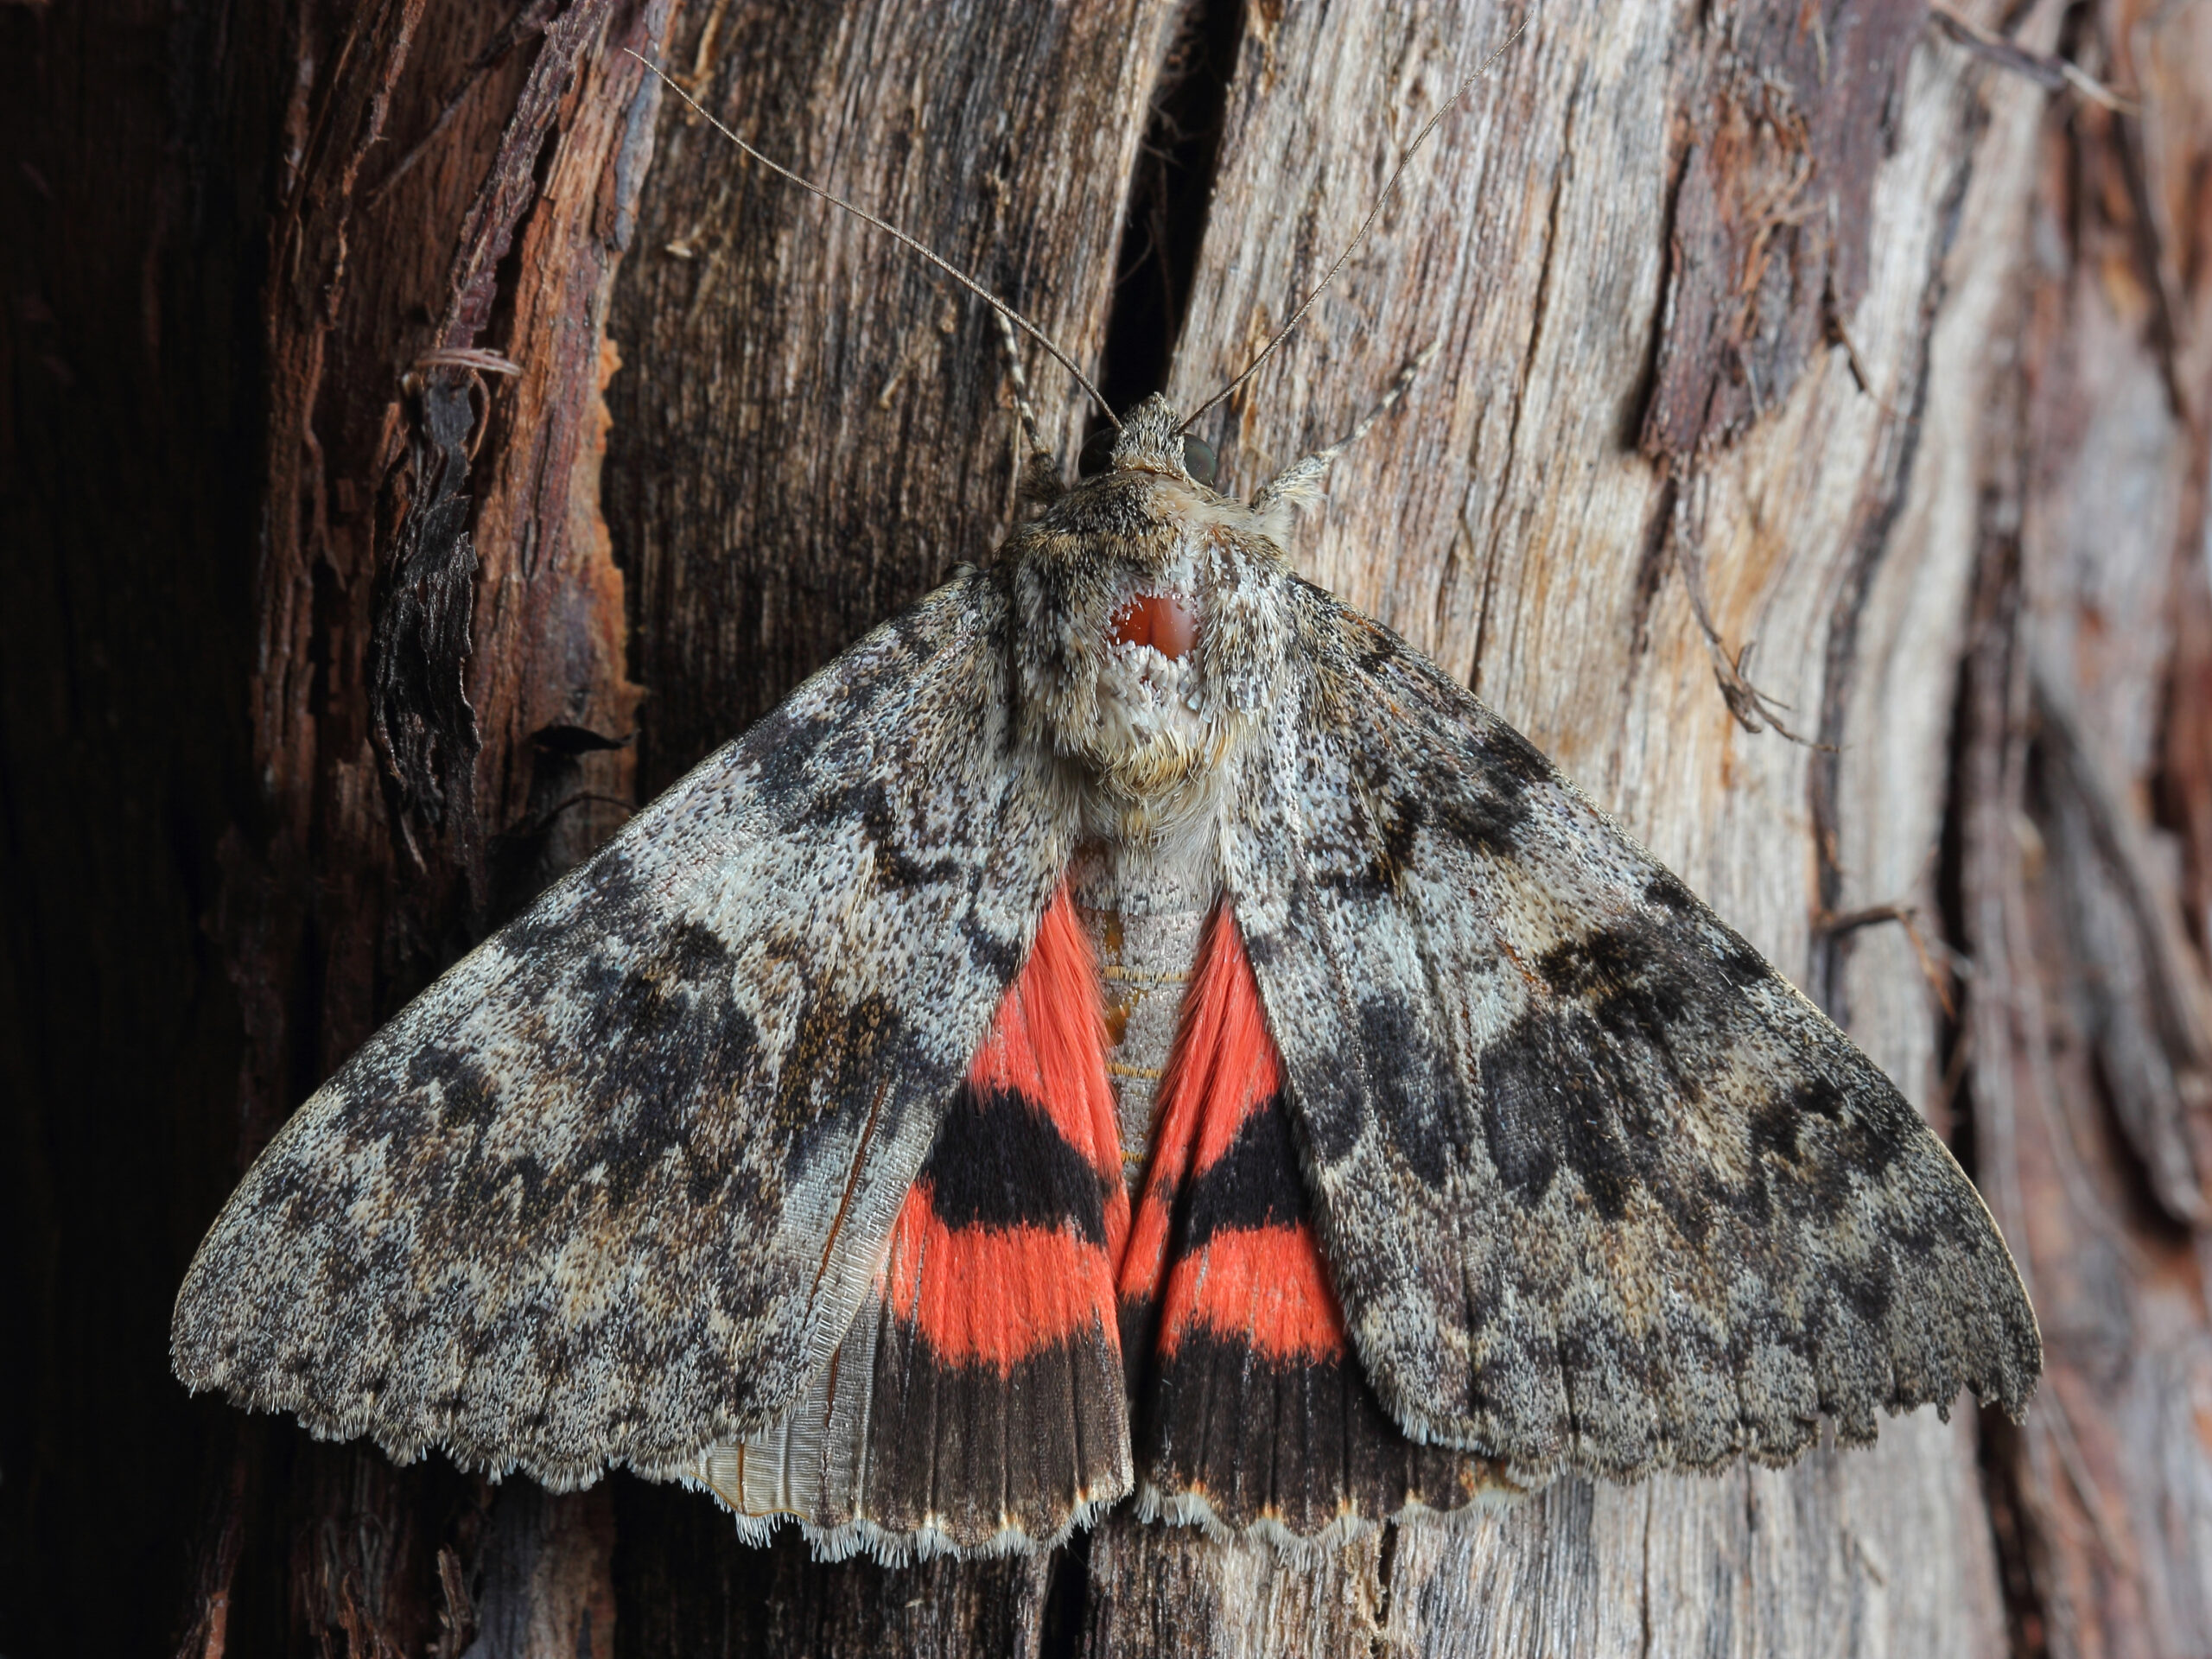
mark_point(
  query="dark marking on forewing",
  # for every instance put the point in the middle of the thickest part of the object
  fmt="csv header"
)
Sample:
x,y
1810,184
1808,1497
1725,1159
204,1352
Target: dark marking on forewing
x,y
1391,811
1546,1106
888,841
842,1049
1415,1088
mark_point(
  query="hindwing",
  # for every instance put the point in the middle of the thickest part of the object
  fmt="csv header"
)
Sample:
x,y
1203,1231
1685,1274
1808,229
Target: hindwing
x,y
976,1403
1253,1413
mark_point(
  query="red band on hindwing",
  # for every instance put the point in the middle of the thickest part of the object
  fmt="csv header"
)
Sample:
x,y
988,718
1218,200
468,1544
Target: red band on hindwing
x,y
1005,1246
1264,1284
1247,1394
997,1404
1221,1238
992,1295
999,1396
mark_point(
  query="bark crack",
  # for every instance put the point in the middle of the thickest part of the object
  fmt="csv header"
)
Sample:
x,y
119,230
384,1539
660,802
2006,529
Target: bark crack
x,y
1825,776
1164,226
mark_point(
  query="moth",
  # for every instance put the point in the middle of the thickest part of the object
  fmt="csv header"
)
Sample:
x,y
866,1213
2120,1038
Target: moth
x,y
1131,1027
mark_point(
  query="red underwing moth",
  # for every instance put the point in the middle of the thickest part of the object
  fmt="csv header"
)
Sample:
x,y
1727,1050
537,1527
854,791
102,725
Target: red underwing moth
x,y
1131,1027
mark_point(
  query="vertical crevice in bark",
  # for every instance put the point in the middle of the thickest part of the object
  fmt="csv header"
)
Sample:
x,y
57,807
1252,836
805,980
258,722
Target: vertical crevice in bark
x,y
2002,1448
2182,790
1067,1600
1980,735
1164,225
1386,1562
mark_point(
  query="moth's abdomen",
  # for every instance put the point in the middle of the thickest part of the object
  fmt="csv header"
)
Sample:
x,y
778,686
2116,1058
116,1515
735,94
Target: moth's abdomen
x,y
1146,947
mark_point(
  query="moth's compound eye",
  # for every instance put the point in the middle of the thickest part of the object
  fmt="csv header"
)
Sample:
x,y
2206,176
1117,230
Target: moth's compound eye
x,y
1200,459
1160,620
1097,454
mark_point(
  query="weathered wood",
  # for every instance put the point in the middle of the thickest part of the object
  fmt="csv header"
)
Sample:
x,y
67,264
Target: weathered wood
x,y
1505,524
441,719
812,428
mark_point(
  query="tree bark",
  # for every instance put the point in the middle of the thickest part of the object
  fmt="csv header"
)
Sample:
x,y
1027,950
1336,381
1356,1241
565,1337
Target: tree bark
x,y
1879,339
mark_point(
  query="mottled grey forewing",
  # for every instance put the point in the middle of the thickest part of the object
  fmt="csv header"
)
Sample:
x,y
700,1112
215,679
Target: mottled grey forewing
x,y
614,1185
1598,1188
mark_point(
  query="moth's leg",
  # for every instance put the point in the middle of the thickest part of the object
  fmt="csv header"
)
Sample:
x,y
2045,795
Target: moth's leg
x,y
1301,480
1041,468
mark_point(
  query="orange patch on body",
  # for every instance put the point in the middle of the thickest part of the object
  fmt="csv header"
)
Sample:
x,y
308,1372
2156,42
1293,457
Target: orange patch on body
x,y
1264,1286
1160,620
994,1295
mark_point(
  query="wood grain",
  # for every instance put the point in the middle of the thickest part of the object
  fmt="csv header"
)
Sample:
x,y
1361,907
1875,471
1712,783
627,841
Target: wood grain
x,y
1508,523
2088,1079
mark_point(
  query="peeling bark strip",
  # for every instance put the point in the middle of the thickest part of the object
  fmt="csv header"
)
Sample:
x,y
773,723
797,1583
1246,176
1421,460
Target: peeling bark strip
x,y
2143,1000
468,674
1794,111
333,136
514,182
424,730
420,721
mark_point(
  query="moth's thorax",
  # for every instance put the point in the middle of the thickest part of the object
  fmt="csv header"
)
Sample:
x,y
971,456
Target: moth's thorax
x,y
1151,631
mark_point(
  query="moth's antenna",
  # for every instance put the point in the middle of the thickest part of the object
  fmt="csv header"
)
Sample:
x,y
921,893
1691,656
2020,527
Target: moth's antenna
x,y
884,224
1365,225
1039,479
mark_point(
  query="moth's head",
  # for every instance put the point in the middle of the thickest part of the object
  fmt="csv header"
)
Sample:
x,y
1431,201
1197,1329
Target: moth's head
x,y
1150,439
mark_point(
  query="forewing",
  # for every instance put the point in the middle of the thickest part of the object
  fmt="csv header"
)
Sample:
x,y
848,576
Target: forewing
x,y
1597,1187
613,1186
